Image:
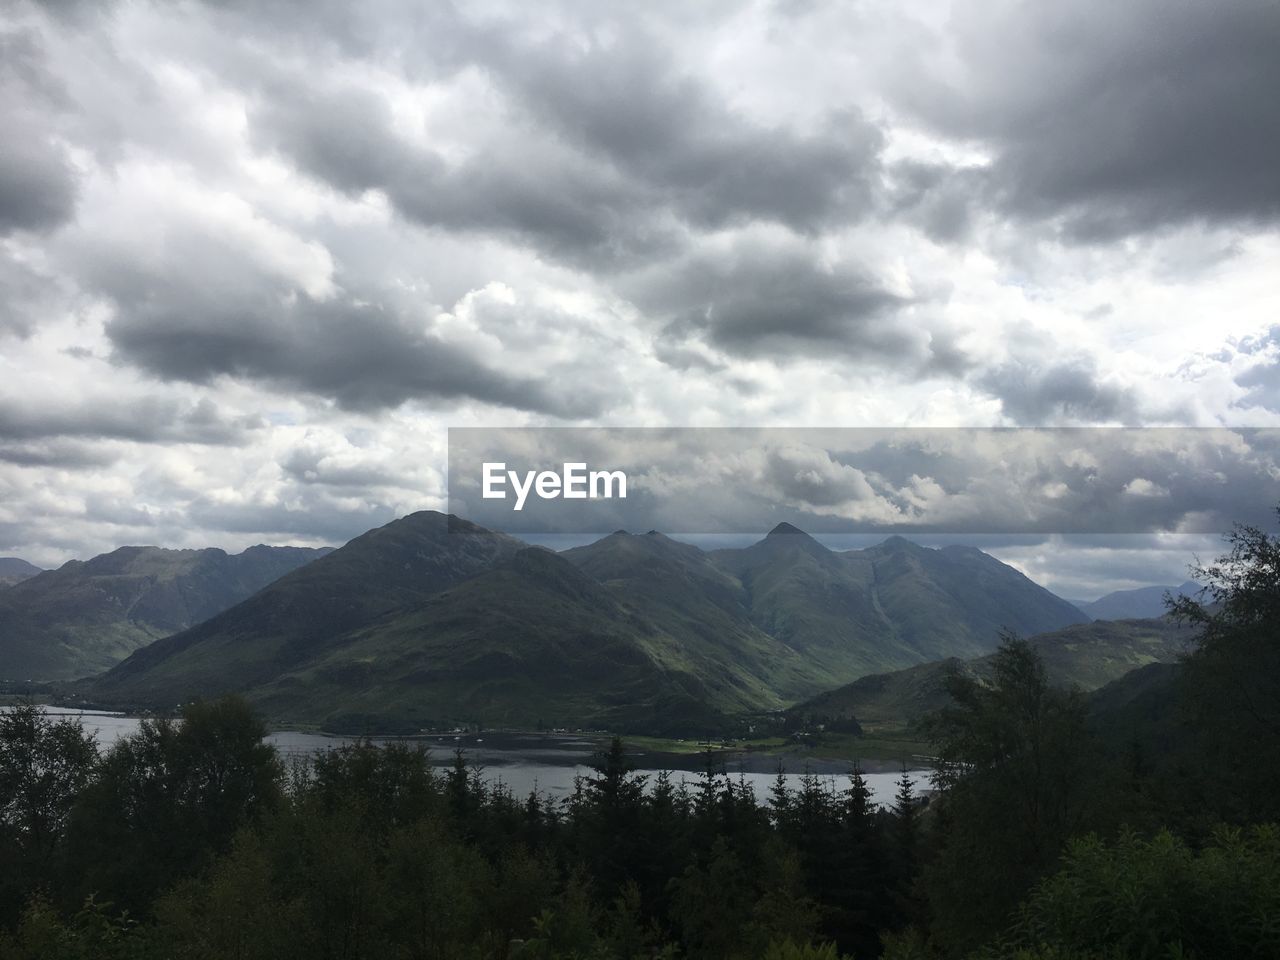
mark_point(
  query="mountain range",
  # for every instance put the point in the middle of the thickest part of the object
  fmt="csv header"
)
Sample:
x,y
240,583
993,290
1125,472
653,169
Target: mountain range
x,y
86,616
1135,604
431,620
14,570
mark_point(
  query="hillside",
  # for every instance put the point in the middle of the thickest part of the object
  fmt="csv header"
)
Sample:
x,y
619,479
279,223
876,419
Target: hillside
x,y
534,641
888,606
14,570
1135,604
293,620
87,616
1088,656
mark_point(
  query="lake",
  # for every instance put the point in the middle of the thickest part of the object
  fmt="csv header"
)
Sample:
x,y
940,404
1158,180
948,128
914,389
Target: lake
x,y
545,762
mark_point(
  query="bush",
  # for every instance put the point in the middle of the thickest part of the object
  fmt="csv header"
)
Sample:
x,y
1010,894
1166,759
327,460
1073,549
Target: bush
x,y
1157,898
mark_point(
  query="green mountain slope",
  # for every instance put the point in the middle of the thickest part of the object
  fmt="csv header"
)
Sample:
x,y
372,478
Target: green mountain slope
x,y
87,616
290,621
15,570
891,605
680,593
1088,656
532,641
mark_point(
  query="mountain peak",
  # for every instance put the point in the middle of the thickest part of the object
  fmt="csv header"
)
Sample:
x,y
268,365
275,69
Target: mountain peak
x,y
786,529
897,542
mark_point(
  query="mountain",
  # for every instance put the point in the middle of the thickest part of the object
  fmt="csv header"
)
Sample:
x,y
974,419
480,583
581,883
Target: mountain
x,y
681,593
88,615
13,570
888,606
298,616
1134,604
534,640
632,632
1089,656
432,620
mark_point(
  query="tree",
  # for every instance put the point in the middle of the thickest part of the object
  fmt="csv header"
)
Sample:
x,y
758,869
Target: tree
x,y
609,821
168,798
44,764
1231,682
1018,776
906,828
1156,898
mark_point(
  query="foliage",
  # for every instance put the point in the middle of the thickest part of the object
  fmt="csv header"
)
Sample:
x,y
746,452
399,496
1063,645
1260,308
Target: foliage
x,y
44,764
1232,677
1018,777
1157,898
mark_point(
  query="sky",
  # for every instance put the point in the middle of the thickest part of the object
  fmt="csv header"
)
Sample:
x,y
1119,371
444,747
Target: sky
x,y
256,258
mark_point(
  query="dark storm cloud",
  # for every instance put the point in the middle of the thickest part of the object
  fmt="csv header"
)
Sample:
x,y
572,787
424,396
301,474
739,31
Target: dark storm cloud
x,y
37,183
606,149
763,300
1117,118
207,311
59,453
37,187
630,103
145,420
1047,391
535,193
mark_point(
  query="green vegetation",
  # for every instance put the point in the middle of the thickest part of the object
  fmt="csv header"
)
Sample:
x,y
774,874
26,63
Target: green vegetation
x,y
189,839
86,617
1085,656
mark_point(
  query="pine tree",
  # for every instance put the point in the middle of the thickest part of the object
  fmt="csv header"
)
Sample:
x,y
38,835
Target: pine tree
x,y
858,805
780,800
907,827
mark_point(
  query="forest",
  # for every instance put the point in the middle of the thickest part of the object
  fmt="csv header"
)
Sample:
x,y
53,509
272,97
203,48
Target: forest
x,y
1142,824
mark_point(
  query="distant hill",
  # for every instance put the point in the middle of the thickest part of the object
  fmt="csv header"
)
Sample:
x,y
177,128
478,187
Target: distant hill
x,y
87,616
421,622
1088,656
14,570
1135,604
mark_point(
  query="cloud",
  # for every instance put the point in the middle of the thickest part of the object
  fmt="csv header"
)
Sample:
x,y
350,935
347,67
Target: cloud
x,y
629,102
776,299
244,301
37,182
1044,391
142,420
1111,119
599,153
255,258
